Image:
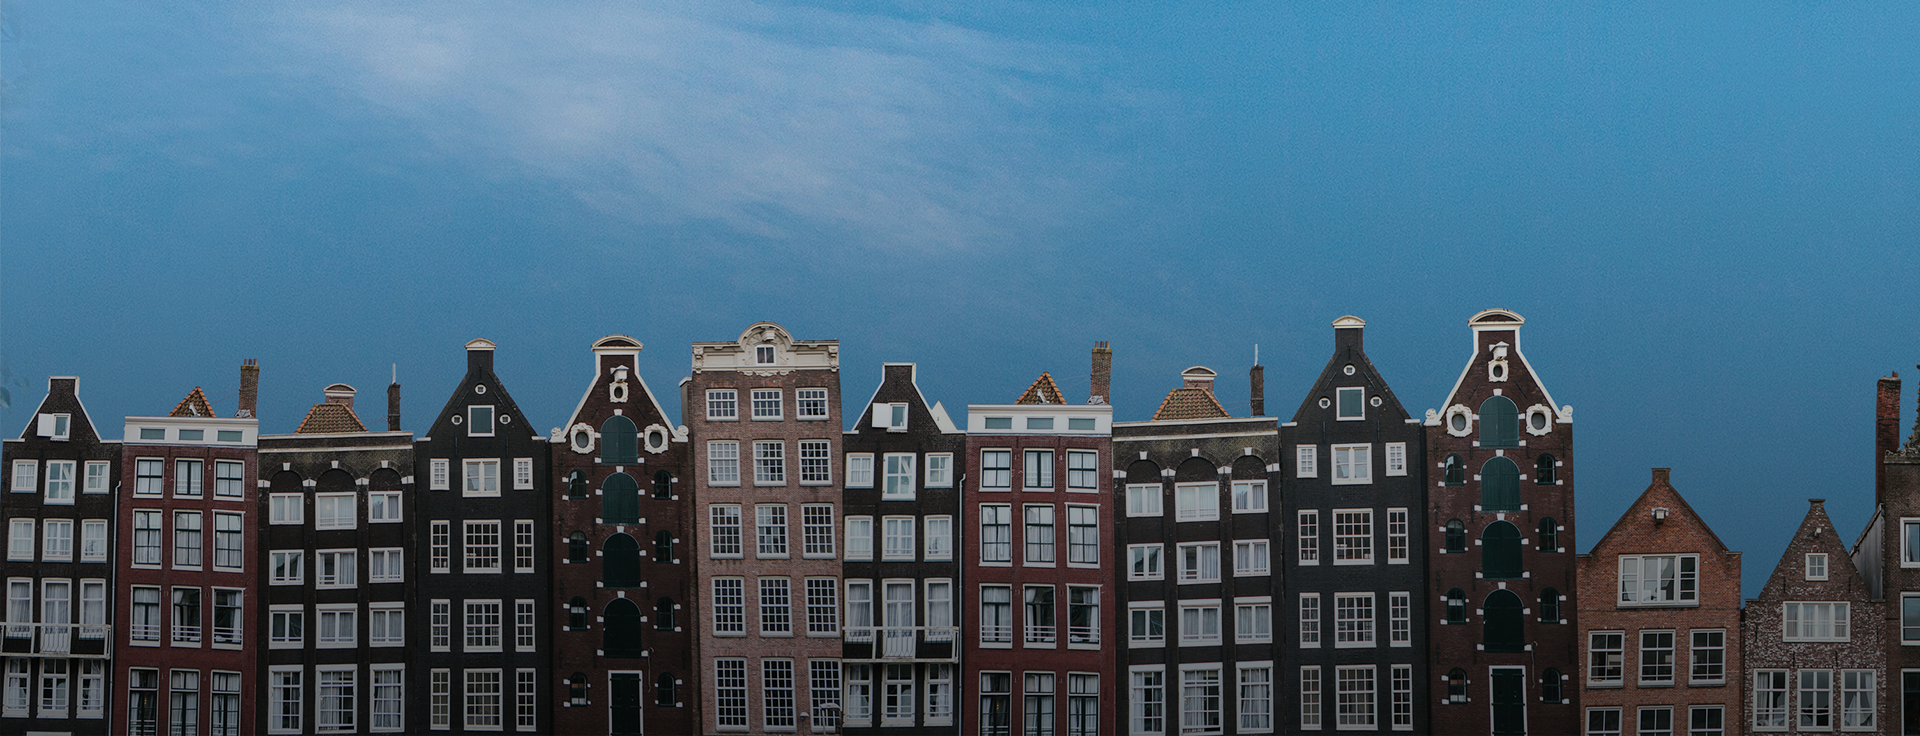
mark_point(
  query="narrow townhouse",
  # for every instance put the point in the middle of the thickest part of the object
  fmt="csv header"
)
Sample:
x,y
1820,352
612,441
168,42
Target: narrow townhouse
x,y
1500,494
1196,539
480,626
333,582
1815,641
1355,601
764,410
1660,622
1888,552
624,622
59,506
1037,645
184,581
904,462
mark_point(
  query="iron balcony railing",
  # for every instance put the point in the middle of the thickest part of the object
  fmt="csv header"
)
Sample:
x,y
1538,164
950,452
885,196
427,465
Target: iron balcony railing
x,y
901,642
56,640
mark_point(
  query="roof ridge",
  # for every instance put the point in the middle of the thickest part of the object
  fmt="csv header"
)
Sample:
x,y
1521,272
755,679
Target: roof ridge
x,y
1043,391
195,405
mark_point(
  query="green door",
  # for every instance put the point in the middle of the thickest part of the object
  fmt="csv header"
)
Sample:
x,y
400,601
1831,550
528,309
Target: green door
x,y
1509,702
626,703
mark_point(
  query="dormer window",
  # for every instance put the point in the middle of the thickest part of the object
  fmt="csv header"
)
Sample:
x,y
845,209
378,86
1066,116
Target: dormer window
x,y
55,426
1817,566
763,355
480,421
1352,404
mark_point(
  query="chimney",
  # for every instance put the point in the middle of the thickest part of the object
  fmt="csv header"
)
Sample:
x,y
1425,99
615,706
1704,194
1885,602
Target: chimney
x,y
1102,383
1886,432
249,388
1257,385
1663,477
341,394
480,356
393,401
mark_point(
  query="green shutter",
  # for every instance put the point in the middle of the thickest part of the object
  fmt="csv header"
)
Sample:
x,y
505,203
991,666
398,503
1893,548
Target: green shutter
x,y
620,500
1500,551
1501,631
622,629
1499,485
1499,423
620,564
619,441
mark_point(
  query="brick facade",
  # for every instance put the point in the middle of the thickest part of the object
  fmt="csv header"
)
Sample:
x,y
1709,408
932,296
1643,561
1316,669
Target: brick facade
x,y
1814,668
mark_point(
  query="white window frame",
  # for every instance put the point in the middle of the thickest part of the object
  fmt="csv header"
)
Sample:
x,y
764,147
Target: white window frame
x,y
1136,637
726,530
939,470
104,476
523,474
1307,537
388,507
1396,453
859,537
1076,471
1346,553
723,405
474,627
1196,501
1306,461
474,557
1154,557
807,400
859,469
1197,576
1253,619
321,521
769,462
1632,589
816,462
1145,499
26,476
337,613
939,538
1258,553
470,478
386,565
723,462
1399,536
338,580
1816,566
1310,615
1203,611
757,396
1352,630
1253,500
817,539
477,428
1399,618
898,538
899,475
393,619
280,560
93,531
439,474
1339,403
1837,621
1352,464
61,482
1246,694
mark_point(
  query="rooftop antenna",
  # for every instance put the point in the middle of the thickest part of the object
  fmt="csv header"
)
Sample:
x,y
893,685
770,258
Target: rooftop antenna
x,y
1256,353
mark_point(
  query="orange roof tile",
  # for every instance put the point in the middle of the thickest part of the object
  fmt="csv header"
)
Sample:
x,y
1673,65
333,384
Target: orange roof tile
x,y
330,418
195,405
1043,391
1189,403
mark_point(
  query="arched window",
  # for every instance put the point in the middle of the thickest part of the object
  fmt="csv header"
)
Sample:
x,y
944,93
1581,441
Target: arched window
x,y
1499,485
1456,536
1499,423
620,441
620,565
663,547
621,632
1501,625
1456,606
577,548
1544,471
620,500
1457,685
663,614
663,486
576,485
577,688
1456,471
1500,551
1549,606
1550,686
666,691
577,614
1549,535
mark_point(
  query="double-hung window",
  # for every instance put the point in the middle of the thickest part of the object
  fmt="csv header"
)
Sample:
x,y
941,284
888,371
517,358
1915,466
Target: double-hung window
x,y
769,462
1606,658
1083,473
996,469
1306,461
1200,562
816,462
766,404
823,607
996,533
1199,623
481,547
723,405
859,470
939,538
940,470
1352,536
228,538
1659,580
1770,699
1398,531
723,463
1352,464
1143,562
186,539
99,476
1197,501
1249,496
897,536
481,632
56,539
93,540
483,478
147,478
335,626
1083,535
812,403
229,479
1309,620
816,531
1353,620
725,530
770,530
776,606
1656,657
333,511
1815,622
1039,534
1250,557
26,476
729,606
1396,458
1143,499
188,477
60,481
1253,620
1039,470
1400,619
859,537
1308,534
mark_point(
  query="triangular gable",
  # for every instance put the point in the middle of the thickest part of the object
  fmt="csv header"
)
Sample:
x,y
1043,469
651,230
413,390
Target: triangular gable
x,y
1816,533
1043,391
330,419
1677,508
1189,403
195,405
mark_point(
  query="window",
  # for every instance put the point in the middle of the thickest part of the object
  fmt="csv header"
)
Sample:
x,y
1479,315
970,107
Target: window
x,y
1398,531
1396,458
1550,606
334,626
1706,720
776,607
56,539
440,625
1352,536
60,481
227,541
996,469
439,699
776,682
816,531
1352,464
337,690
186,539
1252,620
188,477
1499,485
769,462
860,619
1038,470
1656,657
1143,499
897,537
383,507
1309,536
996,614
483,478
1501,627
1499,423
26,476
284,700
859,537
1309,620
1544,470
1038,710
438,474
730,691
723,405
1083,704
1815,622
1200,562
1770,699
99,476
860,470
770,530
1039,422
146,538
1910,619
1146,624
386,625
523,545
483,700
897,698
1083,472
939,620
1039,535
1306,461
1500,551
1250,557
1910,542
816,462
286,627
823,607
1816,566
1200,700
996,707
1456,606
726,529
1603,722
1656,721
1197,501
729,606
482,629
723,463
1041,624
226,704
1199,623
186,616
1606,658
480,421
766,404
523,474
1550,686
763,354
1816,699
440,539
1310,698
996,533
481,547
940,470
900,477
939,538
523,625
1143,562
1400,619
812,403
1353,619
620,562
1356,697
333,511
1549,539
1456,536
147,476
1148,705
389,697
1856,700
1709,657
286,508
93,540
824,683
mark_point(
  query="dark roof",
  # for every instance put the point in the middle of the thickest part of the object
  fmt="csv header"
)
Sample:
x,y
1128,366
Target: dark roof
x,y
195,405
1043,391
1189,403
329,419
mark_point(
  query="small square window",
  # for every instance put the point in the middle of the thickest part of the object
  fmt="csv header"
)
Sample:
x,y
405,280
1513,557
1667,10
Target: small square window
x,y
229,435
480,421
1353,402
763,355
1817,566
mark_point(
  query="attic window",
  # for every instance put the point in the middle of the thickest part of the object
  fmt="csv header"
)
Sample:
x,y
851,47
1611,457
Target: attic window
x,y
1039,422
763,355
479,421
1080,424
1353,403
229,435
1817,566
152,433
55,425
999,422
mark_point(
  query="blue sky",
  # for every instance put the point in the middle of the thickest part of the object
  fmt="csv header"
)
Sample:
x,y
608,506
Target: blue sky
x,y
1706,212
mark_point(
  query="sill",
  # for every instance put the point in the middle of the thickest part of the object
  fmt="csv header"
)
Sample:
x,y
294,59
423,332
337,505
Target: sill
x,y
480,494
1200,582
819,557
1091,647
1151,579
823,635
769,483
1249,511
1038,564
186,645
1076,489
1084,565
1039,645
723,419
1252,574
353,645
996,564
1354,645
996,489
939,559
769,419
849,559
1708,683
723,483
1314,645
1354,482
144,643
1400,644
229,646
1653,685
828,483
1605,685
1138,644
57,502
776,635
996,645
1342,563
1143,516
813,419
1658,604
1253,641
1309,563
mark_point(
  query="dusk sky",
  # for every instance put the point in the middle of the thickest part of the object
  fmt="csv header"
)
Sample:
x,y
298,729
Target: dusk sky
x,y
1708,214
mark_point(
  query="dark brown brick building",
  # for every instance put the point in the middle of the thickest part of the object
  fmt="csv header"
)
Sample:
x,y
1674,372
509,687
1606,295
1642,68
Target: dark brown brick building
x,y
1815,640
1888,553
1659,620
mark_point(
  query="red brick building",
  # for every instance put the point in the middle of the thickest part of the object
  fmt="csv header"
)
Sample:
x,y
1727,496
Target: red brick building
x,y
1036,599
1660,622
1815,641
1501,496
185,660
623,653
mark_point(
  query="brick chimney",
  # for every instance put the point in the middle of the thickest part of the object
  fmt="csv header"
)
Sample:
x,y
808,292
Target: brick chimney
x,y
393,402
1098,390
1886,432
249,388
1257,386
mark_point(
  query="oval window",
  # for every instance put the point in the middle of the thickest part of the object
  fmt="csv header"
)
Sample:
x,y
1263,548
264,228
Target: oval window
x,y
506,418
456,419
1325,402
1349,370
582,439
480,388
1499,371
1375,401
656,439
1459,422
1538,420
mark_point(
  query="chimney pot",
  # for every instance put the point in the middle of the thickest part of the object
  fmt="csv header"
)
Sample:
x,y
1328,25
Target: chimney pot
x,y
1662,476
1886,432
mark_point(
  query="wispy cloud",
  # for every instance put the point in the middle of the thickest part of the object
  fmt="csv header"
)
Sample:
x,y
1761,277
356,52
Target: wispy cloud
x,y
772,122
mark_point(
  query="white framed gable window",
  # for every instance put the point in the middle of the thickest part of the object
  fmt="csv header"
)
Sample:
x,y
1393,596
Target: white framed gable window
x,y
1816,562
1824,621
383,506
1143,499
60,481
56,426
1352,464
890,417
437,475
900,476
723,405
1352,404
483,478
1249,497
1659,580
99,476
1306,461
940,470
286,508
26,476
523,474
1396,458
480,420
1197,501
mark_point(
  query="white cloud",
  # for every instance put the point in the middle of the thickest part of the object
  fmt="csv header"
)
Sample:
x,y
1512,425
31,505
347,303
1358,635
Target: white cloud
x,y
875,131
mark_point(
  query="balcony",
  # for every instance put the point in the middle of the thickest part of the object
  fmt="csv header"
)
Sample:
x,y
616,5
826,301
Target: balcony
x,y
226,635
183,634
1041,634
1083,635
996,634
56,640
901,643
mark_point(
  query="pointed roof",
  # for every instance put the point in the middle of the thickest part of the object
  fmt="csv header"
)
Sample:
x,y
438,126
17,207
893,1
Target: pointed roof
x,y
330,418
1187,402
1043,391
195,405
1660,492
